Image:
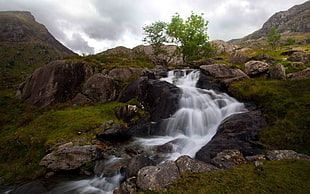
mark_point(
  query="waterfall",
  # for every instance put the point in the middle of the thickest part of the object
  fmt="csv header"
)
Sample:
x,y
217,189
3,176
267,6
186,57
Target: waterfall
x,y
187,130
198,117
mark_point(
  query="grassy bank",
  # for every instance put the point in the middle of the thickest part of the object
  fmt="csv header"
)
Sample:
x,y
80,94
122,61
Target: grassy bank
x,y
288,176
286,106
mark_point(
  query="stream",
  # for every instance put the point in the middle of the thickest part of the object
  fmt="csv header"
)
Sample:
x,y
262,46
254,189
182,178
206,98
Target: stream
x,y
190,128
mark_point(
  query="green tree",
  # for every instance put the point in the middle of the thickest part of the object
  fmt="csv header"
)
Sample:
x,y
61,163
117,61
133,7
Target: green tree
x,y
191,36
155,35
273,37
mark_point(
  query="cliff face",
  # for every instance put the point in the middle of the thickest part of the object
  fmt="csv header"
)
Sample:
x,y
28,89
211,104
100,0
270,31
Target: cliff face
x,y
296,19
24,46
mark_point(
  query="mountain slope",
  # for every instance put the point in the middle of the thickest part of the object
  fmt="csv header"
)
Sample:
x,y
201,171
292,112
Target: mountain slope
x,y
24,46
294,20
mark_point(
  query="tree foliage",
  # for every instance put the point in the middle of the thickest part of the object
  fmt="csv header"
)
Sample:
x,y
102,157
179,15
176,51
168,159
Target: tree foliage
x,y
190,35
273,37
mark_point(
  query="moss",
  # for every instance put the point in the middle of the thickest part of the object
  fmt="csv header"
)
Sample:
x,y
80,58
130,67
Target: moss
x,y
286,106
288,176
28,132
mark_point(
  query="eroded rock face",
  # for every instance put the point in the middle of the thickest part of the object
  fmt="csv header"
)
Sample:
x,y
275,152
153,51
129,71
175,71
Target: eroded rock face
x,y
58,81
69,158
238,132
252,68
100,88
157,177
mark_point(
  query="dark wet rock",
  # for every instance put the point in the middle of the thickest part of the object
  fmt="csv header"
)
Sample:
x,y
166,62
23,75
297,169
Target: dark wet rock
x,y
277,72
187,164
228,158
144,128
239,132
34,187
136,163
207,82
132,90
69,158
100,88
116,132
285,154
157,177
253,68
56,82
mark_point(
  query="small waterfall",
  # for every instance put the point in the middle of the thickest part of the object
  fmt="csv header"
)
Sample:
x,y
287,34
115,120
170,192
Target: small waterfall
x,y
191,127
198,117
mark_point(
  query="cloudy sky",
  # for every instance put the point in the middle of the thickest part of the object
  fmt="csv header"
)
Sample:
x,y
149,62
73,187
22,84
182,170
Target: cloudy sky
x,y
91,26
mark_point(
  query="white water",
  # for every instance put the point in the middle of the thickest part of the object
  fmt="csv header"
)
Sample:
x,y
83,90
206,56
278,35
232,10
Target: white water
x,y
198,117
191,127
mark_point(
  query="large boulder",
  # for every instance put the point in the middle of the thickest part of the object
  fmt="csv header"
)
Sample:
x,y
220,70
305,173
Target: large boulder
x,y
157,177
69,158
228,158
221,71
237,132
125,73
159,98
301,75
58,81
277,72
238,58
253,68
136,163
300,56
100,88
187,164
116,132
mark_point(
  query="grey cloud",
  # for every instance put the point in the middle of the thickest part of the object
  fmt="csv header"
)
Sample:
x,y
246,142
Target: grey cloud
x,y
78,44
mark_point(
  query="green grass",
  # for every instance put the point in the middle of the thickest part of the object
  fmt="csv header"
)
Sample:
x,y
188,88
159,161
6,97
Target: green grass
x,y
28,132
288,176
286,106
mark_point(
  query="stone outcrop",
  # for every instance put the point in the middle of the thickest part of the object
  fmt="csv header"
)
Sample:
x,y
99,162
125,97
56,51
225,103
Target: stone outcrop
x,y
116,132
223,47
238,58
69,158
187,164
125,73
300,56
157,177
221,71
237,132
285,154
100,88
228,158
253,68
56,82
277,72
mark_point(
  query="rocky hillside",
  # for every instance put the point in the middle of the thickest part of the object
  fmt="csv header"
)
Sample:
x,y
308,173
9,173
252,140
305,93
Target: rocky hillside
x,y
294,20
24,46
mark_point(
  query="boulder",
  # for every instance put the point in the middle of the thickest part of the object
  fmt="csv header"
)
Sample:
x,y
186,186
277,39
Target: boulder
x,y
253,68
277,72
264,57
69,158
228,158
34,187
116,132
126,112
301,75
136,163
238,58
237,132
300,56
285,154
187,164
81,99
223,47
221,71
125,73
100,88
132,90
157,177
56,82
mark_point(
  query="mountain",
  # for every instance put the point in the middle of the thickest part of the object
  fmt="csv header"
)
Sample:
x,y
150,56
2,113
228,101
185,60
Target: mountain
x,y
24,46
294,20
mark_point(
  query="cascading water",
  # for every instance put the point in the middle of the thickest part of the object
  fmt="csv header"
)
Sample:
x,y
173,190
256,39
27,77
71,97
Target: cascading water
x,y
191,127
198,117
